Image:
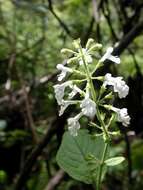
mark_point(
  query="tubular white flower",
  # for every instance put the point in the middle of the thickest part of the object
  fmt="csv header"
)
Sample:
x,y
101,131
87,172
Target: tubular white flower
x,y
60,90
121,87
118,84
88,107
74,125
110,57
64,70
122,116
75,91
65,104
108,80
87,57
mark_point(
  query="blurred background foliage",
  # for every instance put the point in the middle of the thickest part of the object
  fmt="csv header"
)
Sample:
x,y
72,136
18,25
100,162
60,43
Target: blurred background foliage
x,y
32,33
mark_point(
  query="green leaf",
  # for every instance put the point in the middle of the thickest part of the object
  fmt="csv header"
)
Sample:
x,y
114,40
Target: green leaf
x,y
73,155
114,161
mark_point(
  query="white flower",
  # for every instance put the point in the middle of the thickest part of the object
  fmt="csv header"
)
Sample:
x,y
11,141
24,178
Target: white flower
x,y
74,91
65,104
118,84
110,57
108,80
121,87
74,125
122,116
60,90
64,71
87,57
88,107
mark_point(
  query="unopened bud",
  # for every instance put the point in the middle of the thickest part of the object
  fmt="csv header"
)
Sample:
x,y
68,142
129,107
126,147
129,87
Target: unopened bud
x,y
89,43
95,47
102,90
99,78
76,43
109,96
72,60
108,107
67,51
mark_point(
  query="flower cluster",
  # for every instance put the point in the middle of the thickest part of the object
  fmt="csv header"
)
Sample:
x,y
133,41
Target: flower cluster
x,y
87,105
86,99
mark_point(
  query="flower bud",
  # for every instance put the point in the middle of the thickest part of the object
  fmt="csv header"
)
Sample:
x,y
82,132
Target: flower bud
x,y
76,43
67,51
89,43
99,78
102,90
72,60
95,47
108,96
108,107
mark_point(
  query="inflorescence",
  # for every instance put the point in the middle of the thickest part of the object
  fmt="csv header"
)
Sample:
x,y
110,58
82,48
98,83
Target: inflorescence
x,y
79,65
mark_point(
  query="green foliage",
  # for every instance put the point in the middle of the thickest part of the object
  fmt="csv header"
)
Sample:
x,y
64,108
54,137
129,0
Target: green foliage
x,y
80,156
10,138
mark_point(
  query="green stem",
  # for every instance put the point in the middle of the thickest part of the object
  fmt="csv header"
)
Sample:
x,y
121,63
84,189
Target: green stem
x,y
99,176
89,79
102,124
90,82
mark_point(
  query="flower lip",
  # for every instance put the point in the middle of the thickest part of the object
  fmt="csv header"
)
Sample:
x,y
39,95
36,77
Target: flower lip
x,y
74,91
64,70
110,57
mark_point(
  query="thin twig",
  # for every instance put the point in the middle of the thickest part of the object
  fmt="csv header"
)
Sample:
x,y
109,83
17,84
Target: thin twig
x,y
128,38
107,15
62,24
54,181
29,115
